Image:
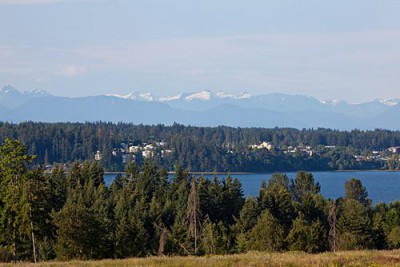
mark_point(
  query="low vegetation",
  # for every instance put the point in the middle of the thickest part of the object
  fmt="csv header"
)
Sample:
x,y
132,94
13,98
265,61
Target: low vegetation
x,y
345,258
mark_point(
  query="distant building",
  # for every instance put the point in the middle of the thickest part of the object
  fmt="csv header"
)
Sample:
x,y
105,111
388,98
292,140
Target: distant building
x,y
97,156
149,147
134,149
147,154
394,149
162,143
165,152
263,145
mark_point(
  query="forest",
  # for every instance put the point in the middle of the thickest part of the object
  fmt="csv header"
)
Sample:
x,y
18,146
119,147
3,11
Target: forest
x,y
203,149
74,215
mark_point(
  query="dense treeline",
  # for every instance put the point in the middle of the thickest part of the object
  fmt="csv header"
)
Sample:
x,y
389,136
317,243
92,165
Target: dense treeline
x,y
201,148
143,212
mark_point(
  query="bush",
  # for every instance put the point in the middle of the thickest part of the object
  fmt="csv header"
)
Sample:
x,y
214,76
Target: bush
x,y
5,255
394,237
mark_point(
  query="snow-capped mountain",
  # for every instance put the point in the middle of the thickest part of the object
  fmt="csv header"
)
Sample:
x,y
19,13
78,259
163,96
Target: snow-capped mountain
x,y
203,95
135,96
389,101
12,98
8,90
203,108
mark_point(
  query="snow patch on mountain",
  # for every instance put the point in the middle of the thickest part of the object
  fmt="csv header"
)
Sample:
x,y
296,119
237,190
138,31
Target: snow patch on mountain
x,y
36,93
389,101
135,96
332,102
244,95
8,89
147,96
170,98
203,95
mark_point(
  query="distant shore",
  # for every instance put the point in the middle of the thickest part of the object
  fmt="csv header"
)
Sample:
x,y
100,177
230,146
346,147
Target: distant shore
x,y
200,173
248,173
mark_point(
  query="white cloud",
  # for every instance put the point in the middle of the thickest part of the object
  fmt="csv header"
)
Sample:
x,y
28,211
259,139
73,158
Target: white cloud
x,y
72,70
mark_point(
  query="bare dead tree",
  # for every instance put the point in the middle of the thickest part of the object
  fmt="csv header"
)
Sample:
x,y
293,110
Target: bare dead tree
x,y
168,232
162,241
332,218
193,213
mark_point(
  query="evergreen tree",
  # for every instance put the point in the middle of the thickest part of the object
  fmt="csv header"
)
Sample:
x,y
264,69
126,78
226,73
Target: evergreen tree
x,y
305,237
246,221
355,190
277,199
355,226
268,234
87,203
36,209
58,185
14,175
307,200
209,237
79,233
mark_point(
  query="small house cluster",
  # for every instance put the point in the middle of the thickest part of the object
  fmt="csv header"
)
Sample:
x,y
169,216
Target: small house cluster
x,y
385,155
263,145
130,152
287,150
299,149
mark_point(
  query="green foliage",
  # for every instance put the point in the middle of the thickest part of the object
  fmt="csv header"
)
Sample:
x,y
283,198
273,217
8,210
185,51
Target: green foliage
x,y
356,191
305,237
355,226
24,202
245,222
83,224
268,234
145,212
278,200
394,237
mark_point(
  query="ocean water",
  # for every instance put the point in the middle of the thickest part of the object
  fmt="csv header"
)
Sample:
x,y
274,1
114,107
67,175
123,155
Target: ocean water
x,y
382,186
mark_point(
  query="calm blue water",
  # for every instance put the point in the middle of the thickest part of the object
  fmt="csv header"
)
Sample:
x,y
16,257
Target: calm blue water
x,y
382,186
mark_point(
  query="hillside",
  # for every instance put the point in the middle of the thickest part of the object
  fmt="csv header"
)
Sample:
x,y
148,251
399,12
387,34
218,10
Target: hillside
x,y
347,258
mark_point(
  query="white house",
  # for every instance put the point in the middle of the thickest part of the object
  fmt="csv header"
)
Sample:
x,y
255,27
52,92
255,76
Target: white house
x,y
97,156
263,145
134,149
147,154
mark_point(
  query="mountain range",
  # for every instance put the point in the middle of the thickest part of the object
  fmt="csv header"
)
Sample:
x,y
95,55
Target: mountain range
x,y
204,108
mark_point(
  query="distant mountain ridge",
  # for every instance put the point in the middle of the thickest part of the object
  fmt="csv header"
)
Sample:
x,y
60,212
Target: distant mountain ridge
x,y
203,108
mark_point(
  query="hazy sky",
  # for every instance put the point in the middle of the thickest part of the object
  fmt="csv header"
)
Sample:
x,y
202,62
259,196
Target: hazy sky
x,y
347,49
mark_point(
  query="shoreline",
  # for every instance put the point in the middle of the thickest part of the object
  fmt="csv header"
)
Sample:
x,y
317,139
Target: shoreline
x,y
253,173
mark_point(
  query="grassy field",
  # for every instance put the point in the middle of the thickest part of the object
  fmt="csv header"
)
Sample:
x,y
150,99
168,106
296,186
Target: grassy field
x,y
348,258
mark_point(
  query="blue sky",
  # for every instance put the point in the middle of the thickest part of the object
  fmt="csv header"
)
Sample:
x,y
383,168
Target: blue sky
x,y
324,48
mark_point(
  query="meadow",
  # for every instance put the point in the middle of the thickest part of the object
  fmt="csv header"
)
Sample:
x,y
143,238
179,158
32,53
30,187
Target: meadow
x,y
346,258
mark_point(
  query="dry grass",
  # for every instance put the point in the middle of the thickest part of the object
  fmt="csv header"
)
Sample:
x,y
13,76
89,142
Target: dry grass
x,y
348,258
